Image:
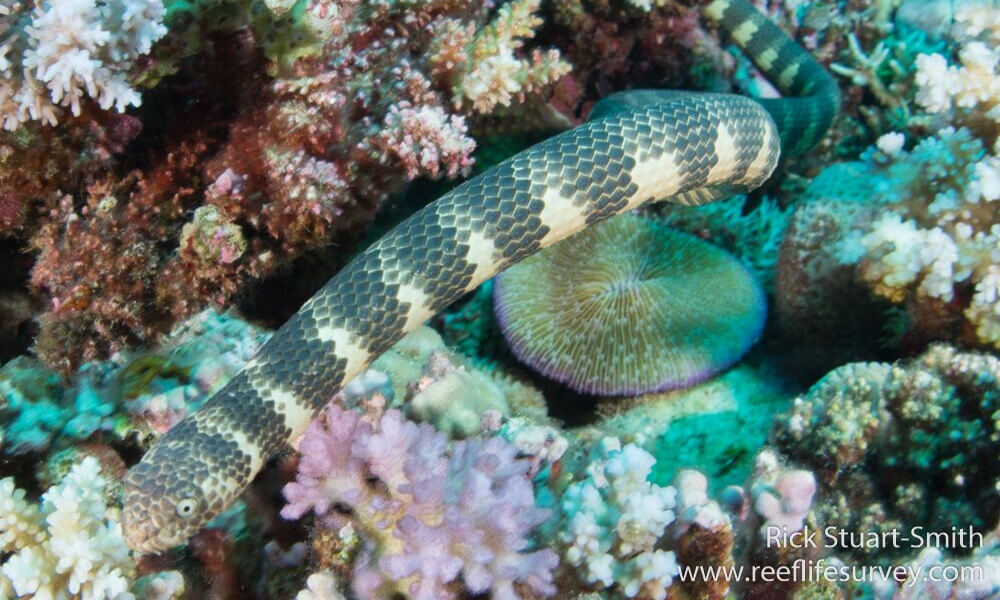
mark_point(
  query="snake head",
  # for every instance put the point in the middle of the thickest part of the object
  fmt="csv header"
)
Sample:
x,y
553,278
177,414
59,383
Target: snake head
x,y
184,481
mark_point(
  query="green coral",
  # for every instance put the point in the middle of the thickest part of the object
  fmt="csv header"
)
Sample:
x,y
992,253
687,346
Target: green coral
x,y
902,445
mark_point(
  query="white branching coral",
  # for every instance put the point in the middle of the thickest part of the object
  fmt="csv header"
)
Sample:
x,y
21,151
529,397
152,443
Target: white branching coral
x,y
941,230
969,92
974,84
494,74
320,586
70,547
615,517
67,50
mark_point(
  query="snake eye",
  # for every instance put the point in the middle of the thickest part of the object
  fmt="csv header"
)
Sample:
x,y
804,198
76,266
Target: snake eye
x,y
185,508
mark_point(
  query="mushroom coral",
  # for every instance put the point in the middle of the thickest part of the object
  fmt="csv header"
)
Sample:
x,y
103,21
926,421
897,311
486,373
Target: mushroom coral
x,y
629,306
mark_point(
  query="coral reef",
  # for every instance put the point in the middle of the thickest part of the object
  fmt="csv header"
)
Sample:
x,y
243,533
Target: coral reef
x,y
612,310
70,546
896,446
41,408
921,235
431,514
351,102
158,157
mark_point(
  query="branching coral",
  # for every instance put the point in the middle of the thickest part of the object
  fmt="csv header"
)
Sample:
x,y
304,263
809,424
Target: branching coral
x,y
969,94
629,306
430,513
937,247
629,537
71,546
922,232
898,446
614,519
492,74
68,50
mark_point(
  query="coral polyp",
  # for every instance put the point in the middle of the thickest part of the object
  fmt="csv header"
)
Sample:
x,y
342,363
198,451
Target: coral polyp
x,y
629,306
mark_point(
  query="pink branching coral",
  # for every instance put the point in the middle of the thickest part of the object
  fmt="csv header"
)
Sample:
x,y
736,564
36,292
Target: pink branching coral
x,y
430,513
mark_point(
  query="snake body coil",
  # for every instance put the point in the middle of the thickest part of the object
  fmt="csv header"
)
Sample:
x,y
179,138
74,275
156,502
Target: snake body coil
x,y
640,147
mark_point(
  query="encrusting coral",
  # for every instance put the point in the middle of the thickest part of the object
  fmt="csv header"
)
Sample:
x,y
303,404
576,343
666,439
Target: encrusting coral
x,y
621,308
433,517
69,547
420,376
901,445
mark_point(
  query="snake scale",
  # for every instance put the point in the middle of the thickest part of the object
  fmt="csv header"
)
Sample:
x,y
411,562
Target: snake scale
x,y
638,147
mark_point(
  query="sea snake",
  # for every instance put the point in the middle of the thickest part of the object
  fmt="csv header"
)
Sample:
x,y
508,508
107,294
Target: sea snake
x,y
638,147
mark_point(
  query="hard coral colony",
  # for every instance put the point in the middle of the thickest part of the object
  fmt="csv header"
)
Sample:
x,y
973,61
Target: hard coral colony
x,y
773,371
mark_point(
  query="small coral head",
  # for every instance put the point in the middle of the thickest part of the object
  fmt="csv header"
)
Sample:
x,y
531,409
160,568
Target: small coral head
x,y
629,306
184,481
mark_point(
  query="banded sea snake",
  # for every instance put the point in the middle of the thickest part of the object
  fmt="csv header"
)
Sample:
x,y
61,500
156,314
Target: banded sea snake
x,y
640,146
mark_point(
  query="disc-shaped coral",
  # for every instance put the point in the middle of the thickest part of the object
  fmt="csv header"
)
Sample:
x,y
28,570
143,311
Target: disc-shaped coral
x,y
629,306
